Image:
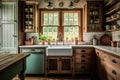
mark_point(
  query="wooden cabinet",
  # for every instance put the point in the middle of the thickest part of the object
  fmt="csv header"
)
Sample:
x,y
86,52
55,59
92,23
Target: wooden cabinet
x,y
109,64
83,59
100,64
93,16
30,12
112,15
59,64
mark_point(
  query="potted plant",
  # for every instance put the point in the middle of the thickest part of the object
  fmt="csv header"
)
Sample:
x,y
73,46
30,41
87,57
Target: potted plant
x,y
49,39
42,38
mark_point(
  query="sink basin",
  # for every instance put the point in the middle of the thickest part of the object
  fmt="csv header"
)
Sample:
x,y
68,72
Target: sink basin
x,y
59,50
59,47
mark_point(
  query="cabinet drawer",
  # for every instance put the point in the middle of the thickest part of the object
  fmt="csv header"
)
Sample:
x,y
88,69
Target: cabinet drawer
x,y
27,50
112,60
110,72
82,67
83,56
113,72
84,50
83,60
111,78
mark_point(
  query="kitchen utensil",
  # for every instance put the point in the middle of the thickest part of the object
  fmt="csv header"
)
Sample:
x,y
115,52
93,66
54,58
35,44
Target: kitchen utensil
x,y
105,39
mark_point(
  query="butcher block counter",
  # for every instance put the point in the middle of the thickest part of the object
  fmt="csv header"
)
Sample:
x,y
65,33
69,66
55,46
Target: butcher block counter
x,y
11,65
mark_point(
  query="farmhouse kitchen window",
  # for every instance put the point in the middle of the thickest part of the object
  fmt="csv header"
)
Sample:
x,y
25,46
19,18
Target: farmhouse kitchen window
x,y
68,23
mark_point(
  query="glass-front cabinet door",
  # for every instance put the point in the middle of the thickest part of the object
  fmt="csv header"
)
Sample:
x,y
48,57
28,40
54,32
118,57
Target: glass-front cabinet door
x,y
93,16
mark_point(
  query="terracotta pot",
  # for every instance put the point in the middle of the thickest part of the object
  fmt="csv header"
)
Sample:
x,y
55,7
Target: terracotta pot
x,y
43,42
76,42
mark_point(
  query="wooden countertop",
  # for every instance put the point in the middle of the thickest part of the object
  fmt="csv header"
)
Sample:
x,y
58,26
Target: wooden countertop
x,y
8,59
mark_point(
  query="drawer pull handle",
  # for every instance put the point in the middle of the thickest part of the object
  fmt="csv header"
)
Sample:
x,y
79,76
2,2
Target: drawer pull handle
x,y
113,79
82,60
114,72
82,50
83,56
114,61
97,53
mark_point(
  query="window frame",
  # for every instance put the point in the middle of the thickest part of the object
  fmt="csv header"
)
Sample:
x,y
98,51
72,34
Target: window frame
x,y
61,27
71,25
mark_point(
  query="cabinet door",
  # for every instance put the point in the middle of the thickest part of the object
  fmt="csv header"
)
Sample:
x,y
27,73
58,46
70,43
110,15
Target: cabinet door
x,y
66,64
8,27
101,64
29,18
35,63
52,65
94,13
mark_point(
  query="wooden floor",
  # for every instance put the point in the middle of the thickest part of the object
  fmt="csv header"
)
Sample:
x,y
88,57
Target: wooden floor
x,y
41,78
58,78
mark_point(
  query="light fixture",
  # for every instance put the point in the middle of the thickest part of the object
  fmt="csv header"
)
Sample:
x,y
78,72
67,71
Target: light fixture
x,y
49,6
71,6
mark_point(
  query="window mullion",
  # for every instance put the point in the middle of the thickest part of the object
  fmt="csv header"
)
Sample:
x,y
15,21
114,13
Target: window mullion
x,y
48,18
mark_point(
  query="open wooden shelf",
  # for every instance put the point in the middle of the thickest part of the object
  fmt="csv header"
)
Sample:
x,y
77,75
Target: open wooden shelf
x,y
111,2
114,19
113,11
29,30
113,30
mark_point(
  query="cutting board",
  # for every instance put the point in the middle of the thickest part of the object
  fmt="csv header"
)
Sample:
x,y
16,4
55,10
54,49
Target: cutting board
x,y
105,39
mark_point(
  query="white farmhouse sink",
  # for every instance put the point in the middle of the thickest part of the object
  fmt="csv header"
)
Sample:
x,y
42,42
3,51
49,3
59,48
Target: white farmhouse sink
x,y
59,47
59,50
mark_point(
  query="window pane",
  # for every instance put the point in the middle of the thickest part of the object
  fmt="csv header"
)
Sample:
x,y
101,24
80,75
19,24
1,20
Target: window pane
x,y
70,28
50,31
45,19
55,18
75,18
51,18
50,24
70,32
66,19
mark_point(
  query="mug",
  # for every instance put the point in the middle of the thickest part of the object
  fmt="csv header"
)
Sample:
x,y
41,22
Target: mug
x,y
114,43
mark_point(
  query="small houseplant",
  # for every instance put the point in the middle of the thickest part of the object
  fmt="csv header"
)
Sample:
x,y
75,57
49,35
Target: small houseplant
x,y
42,38
49,39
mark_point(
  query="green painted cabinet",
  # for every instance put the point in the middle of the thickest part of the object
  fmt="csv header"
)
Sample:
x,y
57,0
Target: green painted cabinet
x,y
35,62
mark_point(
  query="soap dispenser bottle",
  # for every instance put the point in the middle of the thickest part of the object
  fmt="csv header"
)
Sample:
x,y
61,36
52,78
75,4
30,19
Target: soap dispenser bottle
x,y
94,40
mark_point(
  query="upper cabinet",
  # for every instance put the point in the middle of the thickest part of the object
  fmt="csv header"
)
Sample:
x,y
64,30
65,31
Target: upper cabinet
x,y
112,15
30,19
93,16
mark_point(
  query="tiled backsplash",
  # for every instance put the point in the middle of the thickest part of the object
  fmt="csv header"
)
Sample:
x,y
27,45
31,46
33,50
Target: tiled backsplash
x,y
116,35
87,37
29,35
